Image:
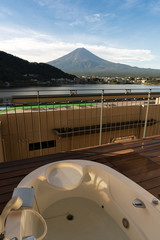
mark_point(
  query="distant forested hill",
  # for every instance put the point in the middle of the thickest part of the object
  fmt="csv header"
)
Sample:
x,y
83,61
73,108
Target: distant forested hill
x,y
16,71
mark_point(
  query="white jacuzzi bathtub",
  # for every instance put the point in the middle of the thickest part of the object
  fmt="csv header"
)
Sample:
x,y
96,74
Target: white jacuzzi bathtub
x,y
85,200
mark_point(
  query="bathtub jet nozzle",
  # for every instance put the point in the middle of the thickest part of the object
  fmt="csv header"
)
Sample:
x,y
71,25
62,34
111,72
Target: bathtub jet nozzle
x,y
70,217
138,203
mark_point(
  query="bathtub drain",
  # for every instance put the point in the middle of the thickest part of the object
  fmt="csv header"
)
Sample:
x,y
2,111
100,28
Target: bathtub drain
x,y
70,217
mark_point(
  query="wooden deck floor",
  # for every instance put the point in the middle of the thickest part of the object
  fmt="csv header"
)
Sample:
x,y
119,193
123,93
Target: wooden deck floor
x,y
139,160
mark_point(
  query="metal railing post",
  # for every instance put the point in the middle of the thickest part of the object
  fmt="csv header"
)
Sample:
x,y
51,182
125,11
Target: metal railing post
x,y
2,159
101,118
146,117
39,119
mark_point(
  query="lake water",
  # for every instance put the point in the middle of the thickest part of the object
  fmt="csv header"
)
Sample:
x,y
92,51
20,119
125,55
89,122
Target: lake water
x,y
81,89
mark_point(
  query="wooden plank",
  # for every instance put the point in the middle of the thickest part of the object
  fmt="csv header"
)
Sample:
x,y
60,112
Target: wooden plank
x,y
155,191
7,189
12,180
2,205
147,175
16,173
152,150
151,183
156,159
129,158
138,171
5,197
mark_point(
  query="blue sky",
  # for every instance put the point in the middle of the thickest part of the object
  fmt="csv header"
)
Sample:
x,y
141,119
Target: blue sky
x,y
124,31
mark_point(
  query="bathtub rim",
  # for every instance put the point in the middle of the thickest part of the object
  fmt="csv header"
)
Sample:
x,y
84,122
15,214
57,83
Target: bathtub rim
x,y
40,173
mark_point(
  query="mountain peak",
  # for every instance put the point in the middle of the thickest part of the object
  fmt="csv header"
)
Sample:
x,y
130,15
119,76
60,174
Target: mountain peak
x,y
79,61
80,49
78,54
83,62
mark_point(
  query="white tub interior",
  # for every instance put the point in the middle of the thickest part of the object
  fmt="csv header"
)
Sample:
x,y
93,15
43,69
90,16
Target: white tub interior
x,y
88,221
86,200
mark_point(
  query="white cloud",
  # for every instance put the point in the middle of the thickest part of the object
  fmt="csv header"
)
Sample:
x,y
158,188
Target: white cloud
x,y
93,18
44,2
154,6
109,15
75,23
130,3
125,56
5,12
96,15
61,9
129,54
39,47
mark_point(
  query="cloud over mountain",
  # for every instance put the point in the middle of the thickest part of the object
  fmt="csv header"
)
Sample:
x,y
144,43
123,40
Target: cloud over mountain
x,y
83,62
